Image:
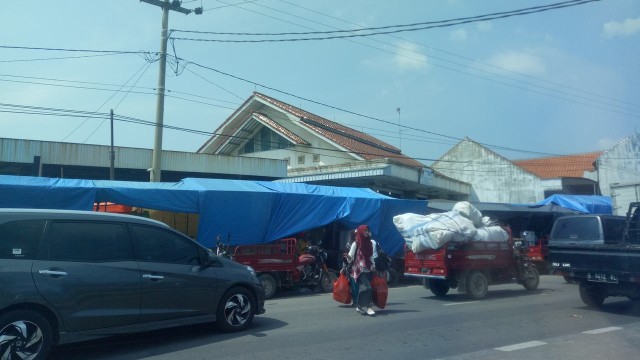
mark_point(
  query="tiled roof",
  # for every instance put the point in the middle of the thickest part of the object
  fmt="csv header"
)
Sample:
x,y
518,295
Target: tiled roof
x,y
355,141
560,166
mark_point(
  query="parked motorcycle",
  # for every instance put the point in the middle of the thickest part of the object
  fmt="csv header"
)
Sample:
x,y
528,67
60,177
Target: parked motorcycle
x,y
313,269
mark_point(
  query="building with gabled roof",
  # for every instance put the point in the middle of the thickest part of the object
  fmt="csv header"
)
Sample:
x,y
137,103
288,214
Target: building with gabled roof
x,y
321,151
493,178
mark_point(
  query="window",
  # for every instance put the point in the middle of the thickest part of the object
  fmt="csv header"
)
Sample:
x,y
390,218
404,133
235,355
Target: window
x,y
316,158
19,239
160,245
301,159
288,160
88,241
577,229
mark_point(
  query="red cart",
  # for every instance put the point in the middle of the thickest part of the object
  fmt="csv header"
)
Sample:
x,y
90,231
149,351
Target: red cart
x,y
472,266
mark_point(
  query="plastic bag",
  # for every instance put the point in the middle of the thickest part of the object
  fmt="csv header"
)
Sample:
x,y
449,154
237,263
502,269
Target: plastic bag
x,y
380,291
342,290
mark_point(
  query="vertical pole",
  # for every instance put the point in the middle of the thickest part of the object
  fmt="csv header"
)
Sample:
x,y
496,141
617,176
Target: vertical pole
x,y
157,147
399,129
112,153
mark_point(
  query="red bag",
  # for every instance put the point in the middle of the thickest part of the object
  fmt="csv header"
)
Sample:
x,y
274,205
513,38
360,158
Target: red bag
x,y
342,290
380,291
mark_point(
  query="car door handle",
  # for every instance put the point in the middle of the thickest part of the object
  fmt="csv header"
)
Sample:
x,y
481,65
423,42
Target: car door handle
x,y
152,277
52,273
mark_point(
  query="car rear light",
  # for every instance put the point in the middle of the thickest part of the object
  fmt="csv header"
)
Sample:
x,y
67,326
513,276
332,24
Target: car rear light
x,y
438,271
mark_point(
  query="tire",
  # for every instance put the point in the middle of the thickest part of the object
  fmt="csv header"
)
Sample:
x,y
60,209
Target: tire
x,y
326,281
592,296
235,311
269,284
477,285
532,279
439,288
25,334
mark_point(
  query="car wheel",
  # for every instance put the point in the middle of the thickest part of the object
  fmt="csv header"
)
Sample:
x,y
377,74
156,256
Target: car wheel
x,y
477,285
269,284
25,334
235,311
592,296
439,288
532,279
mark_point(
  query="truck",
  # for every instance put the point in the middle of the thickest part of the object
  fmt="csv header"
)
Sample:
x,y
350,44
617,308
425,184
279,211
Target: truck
x,y
472,266
281,265
600,253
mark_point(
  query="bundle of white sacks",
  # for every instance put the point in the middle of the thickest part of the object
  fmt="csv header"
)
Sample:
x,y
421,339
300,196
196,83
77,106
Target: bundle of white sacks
x,y
463,223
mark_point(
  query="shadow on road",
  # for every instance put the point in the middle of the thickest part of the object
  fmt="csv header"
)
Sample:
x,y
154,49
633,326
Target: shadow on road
x,y
492,294
130,347
617,306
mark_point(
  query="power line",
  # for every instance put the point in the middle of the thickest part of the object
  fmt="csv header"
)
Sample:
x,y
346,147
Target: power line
x,y
75,50
35,110
620,110
438,24
465,58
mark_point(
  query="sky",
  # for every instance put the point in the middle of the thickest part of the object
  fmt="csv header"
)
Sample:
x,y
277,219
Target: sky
x,y
557,82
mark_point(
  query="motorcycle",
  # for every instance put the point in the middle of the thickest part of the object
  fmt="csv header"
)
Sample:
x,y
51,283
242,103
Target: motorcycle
x,y
313,269
222,249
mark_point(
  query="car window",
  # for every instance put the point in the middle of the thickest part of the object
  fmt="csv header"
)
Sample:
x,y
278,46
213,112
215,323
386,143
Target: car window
x,y
576,229
19,239
159,245
613,229
88,241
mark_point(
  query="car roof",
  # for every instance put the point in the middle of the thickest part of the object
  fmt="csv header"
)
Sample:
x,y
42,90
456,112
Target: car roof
x,y
57,214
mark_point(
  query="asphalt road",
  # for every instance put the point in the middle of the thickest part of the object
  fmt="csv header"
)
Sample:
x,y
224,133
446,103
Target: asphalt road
x,y
511,323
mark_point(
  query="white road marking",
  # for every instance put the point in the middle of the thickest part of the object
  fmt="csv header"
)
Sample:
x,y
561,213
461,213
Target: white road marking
x,y
459,303
521,346
603,330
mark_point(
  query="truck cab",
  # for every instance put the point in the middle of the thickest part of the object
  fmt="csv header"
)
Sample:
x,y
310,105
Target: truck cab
x,y
590,229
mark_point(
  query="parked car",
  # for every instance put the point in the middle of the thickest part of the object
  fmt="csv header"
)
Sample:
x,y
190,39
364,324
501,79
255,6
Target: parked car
x,y
75,275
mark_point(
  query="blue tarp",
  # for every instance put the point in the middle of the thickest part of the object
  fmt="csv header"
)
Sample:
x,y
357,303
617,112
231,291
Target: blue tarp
x,y
590,204
252,212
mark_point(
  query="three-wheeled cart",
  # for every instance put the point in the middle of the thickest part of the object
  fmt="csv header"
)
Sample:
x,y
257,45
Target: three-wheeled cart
x,y
472,266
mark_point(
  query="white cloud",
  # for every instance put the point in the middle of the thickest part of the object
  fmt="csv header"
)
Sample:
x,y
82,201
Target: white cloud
x,y
485,26
408,56
519,61
458,35
627,27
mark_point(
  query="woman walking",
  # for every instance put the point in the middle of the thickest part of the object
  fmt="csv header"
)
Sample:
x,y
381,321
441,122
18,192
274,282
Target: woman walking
x,y
362,268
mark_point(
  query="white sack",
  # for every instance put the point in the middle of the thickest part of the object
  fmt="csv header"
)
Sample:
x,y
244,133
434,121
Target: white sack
x,y
435,230
491,233
470,212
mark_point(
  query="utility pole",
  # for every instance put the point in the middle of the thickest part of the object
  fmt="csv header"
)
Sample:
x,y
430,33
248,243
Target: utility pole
x,y
112,153
399,129
174,5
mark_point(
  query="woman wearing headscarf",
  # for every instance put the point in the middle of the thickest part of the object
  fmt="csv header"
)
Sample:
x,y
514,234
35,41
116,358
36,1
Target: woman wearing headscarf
x,y
362,268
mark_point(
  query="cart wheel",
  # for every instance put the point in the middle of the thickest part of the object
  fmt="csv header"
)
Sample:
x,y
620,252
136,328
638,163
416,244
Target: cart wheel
x,y
327,280
532,279
269,284
477,285
592,296
439,288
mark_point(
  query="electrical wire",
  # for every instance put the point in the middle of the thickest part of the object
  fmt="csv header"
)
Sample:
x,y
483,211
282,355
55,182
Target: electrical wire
x,y
438,24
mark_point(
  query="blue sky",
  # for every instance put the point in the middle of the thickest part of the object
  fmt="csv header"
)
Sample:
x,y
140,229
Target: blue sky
x,y
564,81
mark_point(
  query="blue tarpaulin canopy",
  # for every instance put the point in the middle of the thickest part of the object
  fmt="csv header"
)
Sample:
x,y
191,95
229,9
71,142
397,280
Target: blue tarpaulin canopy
x,y
252,212
590,204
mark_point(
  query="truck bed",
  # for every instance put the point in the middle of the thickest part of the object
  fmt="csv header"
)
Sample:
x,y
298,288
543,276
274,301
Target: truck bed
x,y
598,263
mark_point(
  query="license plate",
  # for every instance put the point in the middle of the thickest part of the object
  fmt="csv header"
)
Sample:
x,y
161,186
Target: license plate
x,y
604,278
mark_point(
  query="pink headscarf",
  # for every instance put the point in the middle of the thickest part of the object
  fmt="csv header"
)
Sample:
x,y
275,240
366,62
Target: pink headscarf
x,y
365,249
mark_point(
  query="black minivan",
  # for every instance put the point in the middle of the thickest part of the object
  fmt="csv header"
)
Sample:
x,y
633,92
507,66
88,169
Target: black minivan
x,y
75,275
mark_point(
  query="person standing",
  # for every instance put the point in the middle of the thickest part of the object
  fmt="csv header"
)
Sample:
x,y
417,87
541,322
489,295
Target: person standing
x,y
362,267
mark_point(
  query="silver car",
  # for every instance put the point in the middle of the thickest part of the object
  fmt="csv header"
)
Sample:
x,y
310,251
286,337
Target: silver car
x,y
74,275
